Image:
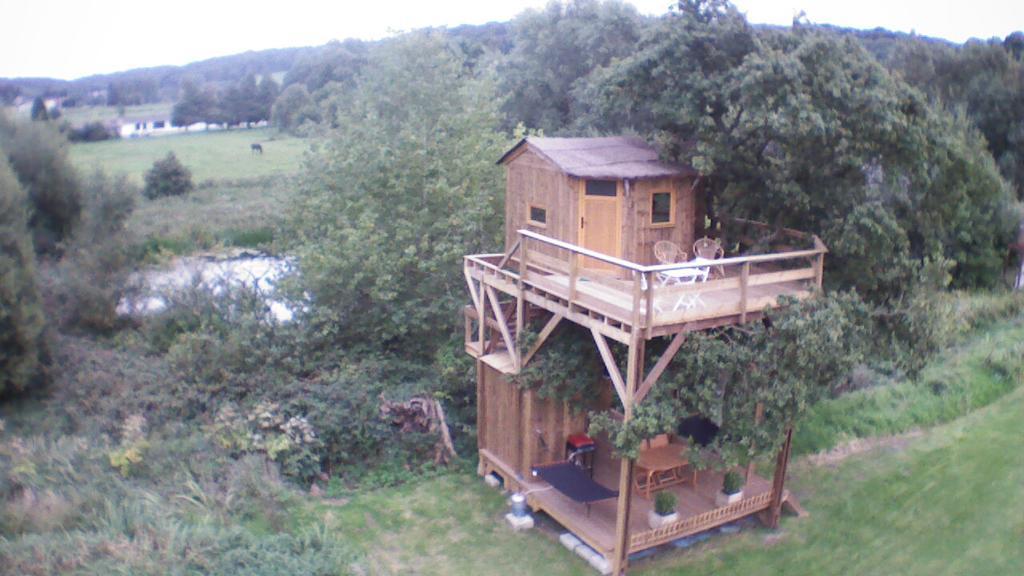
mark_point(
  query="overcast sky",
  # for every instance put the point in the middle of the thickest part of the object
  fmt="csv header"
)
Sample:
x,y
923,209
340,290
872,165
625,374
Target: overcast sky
x,y
73,38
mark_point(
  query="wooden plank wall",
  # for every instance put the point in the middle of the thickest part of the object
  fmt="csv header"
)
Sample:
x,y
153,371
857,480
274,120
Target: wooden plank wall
x,y
505,432
639,236
530,179
500,417
553,422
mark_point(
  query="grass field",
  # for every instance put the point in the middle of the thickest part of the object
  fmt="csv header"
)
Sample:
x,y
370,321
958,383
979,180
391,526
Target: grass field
x,y
241,213
239,199
949,500
223,155
86,114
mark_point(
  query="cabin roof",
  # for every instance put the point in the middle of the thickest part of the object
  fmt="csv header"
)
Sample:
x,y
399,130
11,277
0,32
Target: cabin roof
x,y
610,158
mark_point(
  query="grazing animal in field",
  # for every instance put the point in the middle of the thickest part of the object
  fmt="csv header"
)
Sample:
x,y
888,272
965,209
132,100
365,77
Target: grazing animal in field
x,y
256,148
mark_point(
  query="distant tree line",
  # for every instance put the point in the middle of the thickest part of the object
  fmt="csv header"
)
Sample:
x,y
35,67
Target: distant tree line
x,y
244,102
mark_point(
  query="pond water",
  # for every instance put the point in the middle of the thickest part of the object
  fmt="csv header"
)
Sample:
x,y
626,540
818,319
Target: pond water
x,y
214,271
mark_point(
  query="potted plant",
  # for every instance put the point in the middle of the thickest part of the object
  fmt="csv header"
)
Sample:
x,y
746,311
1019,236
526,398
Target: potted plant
x,y
732,489
664,511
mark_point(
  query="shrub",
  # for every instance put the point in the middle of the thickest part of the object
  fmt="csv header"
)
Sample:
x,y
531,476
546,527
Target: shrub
x,y
665,503
38,155
91,132
21,315
732,482
93,275
168,177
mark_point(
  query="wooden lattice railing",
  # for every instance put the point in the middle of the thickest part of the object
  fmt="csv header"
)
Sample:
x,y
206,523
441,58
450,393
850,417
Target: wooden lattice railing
x,y
700,522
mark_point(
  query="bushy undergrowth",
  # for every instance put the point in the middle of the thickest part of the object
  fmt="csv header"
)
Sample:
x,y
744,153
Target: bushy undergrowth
x,y
233,363
961,379
187,511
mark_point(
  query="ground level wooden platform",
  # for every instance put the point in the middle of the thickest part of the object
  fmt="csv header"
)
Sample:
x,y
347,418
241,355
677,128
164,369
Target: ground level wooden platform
x,y
697,509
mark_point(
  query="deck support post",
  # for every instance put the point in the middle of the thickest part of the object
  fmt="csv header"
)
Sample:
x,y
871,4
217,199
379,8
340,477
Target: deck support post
x,y
481,406
634,369
779,481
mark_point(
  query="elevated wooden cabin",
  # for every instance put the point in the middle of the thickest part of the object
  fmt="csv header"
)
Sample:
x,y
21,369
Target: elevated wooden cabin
x,y
610,195
582,217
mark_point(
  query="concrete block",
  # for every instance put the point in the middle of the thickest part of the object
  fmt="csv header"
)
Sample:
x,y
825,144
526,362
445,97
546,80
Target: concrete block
x,y
570,541
519,523
729,529
599,563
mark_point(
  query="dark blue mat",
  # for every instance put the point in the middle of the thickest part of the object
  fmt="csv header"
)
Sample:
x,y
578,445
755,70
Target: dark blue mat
x,y
574,482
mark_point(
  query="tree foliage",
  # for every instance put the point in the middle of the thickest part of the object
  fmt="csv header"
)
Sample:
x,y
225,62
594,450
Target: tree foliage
x,y
196,104
167,177
22,323
786,365
985,80
293,108
405,186
555,49
805,129
38,154
39,111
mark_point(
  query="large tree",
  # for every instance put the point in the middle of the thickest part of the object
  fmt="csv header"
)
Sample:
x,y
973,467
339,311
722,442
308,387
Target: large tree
x,y
803,128
555,49
404,187
197,104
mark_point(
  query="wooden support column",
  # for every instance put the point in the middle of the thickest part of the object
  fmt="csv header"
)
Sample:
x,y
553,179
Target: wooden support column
x,y
779,481
634,368
744,281
526,459
517,354
481,415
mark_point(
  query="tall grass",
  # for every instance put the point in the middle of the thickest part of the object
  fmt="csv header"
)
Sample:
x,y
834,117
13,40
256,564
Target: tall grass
x,y
986,364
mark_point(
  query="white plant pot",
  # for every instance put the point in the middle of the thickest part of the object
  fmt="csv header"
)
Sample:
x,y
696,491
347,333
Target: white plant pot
x,y
656,520
723,499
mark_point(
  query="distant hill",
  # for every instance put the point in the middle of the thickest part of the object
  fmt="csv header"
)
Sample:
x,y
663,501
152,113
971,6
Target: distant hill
x,y
161,83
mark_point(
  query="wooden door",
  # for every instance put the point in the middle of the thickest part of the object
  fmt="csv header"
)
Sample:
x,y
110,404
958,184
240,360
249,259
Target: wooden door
x,y
600,222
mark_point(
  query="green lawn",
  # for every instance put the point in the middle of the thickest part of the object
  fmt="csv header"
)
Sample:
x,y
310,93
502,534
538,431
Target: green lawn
x,y
221,155
85,114
949,500
447,525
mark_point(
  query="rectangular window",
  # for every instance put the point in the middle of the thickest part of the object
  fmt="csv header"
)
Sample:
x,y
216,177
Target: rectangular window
x,y
158,124
601,188
662,208
537,215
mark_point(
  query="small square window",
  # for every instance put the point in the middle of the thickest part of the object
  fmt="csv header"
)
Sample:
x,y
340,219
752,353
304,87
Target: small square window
x,y
602,188
661,208
538,216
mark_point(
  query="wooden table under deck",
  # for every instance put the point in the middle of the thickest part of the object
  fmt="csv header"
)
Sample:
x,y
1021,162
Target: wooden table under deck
x,y
661,467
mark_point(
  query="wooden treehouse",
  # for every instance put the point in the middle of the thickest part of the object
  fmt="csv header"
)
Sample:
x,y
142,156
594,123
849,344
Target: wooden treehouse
x,y
585,219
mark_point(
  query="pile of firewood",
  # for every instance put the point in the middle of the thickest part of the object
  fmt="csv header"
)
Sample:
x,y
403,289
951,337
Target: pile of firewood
x,y
425,416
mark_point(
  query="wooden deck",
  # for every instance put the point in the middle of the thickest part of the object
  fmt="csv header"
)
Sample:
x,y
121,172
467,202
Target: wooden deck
x,y
625,300
696,507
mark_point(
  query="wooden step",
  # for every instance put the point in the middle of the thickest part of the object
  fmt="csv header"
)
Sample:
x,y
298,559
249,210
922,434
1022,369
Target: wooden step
x,y
500,361
473,349
792,506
